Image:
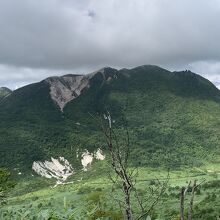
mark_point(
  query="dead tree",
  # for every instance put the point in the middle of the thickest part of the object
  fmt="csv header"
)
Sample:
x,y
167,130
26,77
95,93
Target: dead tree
x,y
152,202
190,210
182,200
183,192
119,157
119,164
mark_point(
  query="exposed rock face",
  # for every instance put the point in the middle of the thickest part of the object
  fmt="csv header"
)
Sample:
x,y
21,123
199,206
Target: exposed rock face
x,y
59,169
87,158
99,155
66,88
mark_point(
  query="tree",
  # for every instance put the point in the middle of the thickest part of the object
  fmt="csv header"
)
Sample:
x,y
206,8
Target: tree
x,y
183,192
118,146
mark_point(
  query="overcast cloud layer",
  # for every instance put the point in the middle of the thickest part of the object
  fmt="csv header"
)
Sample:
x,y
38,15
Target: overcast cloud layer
x,y
53,37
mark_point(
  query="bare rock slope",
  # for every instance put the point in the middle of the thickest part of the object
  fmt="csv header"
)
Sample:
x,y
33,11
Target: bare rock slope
x,y
68,87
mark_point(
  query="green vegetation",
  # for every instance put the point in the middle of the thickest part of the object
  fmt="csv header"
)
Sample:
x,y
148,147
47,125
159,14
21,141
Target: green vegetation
x,y
173,119
5,185
173,122
93,197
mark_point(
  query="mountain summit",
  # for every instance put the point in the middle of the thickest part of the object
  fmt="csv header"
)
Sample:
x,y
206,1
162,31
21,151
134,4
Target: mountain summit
x,y
66,88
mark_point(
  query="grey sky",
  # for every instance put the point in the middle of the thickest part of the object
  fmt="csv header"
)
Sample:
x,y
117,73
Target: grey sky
x,y
39,38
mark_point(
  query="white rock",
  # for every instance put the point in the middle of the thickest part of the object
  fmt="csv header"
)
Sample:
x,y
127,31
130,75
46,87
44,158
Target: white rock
x,y
86,160
99,155
59,169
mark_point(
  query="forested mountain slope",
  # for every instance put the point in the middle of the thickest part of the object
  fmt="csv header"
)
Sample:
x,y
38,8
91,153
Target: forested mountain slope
x,y
173,117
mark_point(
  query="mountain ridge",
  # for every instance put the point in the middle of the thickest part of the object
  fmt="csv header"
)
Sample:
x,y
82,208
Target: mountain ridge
x,y
167,112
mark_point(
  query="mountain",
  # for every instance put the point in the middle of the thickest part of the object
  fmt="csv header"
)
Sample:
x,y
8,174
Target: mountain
x,y
173,117
4,92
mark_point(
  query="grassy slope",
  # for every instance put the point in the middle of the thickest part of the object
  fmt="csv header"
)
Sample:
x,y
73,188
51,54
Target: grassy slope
x,y
82,197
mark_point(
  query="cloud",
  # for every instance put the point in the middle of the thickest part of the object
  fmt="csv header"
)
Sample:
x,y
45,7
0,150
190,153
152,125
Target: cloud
x,y
70,35
16,77
208,69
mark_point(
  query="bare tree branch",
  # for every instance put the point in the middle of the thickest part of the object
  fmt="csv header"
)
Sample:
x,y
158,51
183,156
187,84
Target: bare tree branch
x,y
154,203
119,151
